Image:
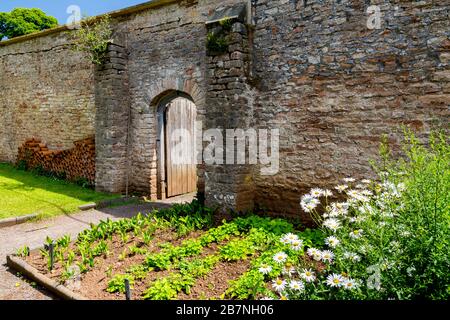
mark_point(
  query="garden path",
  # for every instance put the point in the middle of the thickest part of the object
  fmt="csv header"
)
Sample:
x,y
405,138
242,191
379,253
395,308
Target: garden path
x,y
33,234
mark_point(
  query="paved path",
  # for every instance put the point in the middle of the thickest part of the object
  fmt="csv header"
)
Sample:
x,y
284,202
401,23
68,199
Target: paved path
x,y
33,235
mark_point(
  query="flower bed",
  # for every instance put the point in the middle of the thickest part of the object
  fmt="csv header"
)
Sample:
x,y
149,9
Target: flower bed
x,y
169,254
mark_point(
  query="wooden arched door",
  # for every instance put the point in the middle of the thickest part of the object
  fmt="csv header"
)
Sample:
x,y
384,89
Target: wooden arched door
x,y
180,156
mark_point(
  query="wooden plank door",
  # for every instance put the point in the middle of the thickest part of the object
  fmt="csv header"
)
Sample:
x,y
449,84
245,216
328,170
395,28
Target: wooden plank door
x,y
181,168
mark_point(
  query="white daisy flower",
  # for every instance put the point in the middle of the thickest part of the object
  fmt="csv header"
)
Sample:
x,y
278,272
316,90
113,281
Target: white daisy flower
x,y
312,252
341,188
284,297
285,241
309,203
327,256
316,192
350,284
349,180
355,258
332,224
327,193
297,245
265,269
307,198
308,275
308,207
366,192
335,280
360,186
362,198
352,256
290,237
288,271
297,285
342,205
401,187
353,193
356,234
279,284
266,298
332,241
280,257
366,181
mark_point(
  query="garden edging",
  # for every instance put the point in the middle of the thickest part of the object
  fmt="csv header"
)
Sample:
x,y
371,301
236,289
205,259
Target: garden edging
x,y
8,222
32,273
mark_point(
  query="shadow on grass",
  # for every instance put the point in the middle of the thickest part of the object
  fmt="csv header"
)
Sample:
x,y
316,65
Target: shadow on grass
x,y
25,183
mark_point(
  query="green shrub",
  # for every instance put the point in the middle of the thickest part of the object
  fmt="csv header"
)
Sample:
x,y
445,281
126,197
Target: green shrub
x,y
93,38
390,238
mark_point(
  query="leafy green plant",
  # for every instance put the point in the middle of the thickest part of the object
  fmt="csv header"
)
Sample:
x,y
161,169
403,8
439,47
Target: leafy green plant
x,y
167,288
67,273
147,236
216,43
109,271
117,283
135,250
93,38
23,252
217,40
248,286
63,242
101,249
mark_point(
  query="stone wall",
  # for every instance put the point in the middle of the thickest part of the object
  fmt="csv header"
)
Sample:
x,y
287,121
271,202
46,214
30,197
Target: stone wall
x,y
167,53
312,69
333,86
46,92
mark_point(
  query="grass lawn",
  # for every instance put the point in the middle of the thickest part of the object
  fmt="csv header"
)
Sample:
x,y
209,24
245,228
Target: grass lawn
x,y
23,193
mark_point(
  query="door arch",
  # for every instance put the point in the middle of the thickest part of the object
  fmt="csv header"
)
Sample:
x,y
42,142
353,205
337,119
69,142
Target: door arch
x,y
177,167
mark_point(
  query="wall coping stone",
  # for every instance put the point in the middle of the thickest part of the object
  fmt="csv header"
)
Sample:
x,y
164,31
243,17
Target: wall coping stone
x,y
114,14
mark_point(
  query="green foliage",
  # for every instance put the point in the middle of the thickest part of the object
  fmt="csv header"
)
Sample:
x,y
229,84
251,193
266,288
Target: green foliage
x,y
240,249
248,286
169,287
390,237
93,38
22,165
313,237
117,283
217,40
63,242
23,252
100,249
423,257
84,183
22,21
275,226
216,43
226,24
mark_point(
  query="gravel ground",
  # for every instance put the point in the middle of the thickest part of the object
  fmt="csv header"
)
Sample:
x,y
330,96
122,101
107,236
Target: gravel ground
x,y
33,234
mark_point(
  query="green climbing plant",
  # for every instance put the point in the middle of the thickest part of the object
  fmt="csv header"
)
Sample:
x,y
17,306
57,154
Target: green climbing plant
x,y
93,37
